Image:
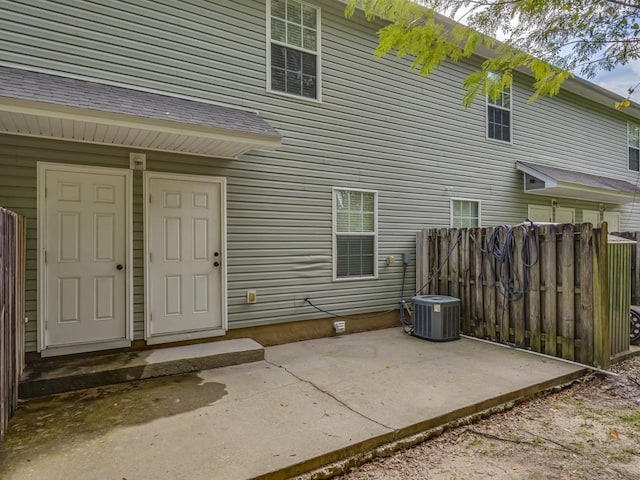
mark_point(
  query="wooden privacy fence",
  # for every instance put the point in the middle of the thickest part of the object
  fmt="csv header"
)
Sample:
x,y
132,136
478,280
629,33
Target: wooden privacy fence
x,y
12,312
619,260
635,266
543,288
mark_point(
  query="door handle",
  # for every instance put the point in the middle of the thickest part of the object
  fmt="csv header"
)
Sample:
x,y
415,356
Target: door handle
x,y
119,266
216,264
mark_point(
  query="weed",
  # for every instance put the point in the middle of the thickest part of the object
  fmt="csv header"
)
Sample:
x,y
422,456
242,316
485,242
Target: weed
x,y
633,419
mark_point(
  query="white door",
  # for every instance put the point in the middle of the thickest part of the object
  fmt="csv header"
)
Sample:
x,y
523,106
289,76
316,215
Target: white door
x,y
84,250
185,257
613,221
592,217
540,213
565,215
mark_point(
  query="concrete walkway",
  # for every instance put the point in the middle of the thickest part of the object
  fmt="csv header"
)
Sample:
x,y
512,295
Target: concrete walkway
x,y
308,404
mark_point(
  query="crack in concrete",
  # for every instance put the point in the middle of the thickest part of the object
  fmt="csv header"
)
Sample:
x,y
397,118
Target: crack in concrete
x,y
326,392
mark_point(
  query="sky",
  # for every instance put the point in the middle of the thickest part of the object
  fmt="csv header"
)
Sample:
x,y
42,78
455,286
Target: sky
x,y
621,79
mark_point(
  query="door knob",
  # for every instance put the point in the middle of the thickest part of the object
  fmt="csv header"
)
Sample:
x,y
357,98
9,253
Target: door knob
x,y
119,266
216,264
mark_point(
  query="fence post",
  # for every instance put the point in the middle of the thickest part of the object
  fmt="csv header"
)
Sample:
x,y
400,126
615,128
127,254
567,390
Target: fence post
x,y
601,347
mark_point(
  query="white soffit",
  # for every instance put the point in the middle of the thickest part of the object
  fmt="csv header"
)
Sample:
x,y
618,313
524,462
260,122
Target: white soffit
x,y
556,182
41,119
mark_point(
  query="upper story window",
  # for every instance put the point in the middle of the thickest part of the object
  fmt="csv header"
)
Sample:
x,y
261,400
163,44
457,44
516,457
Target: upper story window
x,y
294,48
465,213
499,116
355,233
634,146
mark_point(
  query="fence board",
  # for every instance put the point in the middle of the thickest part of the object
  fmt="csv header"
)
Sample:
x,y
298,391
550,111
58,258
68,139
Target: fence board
x,y
5,400
443,278
517,305
501,296
434,261
567,303
548,284
584,327
454,264
12,298
601,346
619,257
635,266
421,257
533,318
489,290
466,282
478,312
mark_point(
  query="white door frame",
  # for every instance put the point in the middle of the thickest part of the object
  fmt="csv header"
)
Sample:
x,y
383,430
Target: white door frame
x,y
42,295
222,181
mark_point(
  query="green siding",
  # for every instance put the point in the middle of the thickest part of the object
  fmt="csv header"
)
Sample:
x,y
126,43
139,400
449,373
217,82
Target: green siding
x,y
379,127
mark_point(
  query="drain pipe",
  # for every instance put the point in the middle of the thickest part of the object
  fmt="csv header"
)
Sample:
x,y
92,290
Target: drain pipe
x,y
570,362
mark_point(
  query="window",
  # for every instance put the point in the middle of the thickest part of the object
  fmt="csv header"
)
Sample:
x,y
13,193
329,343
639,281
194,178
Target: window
x,y
465,213
634,147
294,44
355,227
499,116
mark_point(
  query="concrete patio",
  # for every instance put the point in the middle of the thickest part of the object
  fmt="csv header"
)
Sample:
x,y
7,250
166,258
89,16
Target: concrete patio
x,y
306,405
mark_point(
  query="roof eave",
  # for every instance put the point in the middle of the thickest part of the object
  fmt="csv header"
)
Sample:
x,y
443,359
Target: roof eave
x,y
41,119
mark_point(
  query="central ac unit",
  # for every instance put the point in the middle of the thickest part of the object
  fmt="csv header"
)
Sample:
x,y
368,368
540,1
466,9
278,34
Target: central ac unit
x,y
436,317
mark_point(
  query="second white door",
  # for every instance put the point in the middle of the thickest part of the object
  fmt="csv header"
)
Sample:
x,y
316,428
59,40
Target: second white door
x,y
185,255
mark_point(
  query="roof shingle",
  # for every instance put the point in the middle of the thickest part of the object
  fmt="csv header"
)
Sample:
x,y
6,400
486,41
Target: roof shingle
x,y
58,90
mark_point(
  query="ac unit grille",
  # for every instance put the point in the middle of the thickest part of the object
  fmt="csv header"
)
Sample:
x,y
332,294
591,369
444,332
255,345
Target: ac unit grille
x,y
436,317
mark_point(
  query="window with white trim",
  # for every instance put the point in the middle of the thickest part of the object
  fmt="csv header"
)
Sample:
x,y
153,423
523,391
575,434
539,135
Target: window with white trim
x,y
465,213
499,116
633,141
294,47
355,232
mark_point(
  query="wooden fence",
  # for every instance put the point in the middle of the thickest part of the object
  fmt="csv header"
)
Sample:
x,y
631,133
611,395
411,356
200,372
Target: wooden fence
x,y
12,311
542,288
635,266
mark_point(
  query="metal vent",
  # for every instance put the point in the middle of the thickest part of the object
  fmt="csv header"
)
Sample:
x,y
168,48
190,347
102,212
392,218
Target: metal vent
x,y
436,317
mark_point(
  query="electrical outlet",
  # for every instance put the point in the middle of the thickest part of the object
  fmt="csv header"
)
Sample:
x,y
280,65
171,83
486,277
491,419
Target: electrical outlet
x,y
252,296
391,260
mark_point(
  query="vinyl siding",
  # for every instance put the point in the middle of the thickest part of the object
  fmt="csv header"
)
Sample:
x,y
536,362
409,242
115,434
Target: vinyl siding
x,y
379,127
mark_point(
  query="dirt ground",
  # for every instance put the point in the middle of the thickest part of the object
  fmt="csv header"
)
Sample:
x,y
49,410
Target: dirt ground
x,y
590,430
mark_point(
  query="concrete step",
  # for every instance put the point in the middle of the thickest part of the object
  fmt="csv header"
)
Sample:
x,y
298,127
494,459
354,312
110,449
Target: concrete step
x,y
65,375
